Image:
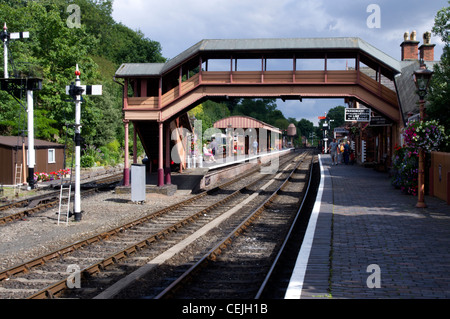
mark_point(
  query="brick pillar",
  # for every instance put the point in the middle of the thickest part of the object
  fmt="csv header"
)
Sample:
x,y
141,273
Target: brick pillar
x,y
427,52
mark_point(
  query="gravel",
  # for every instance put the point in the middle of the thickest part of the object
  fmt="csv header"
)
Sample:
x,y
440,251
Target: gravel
x,y
40,233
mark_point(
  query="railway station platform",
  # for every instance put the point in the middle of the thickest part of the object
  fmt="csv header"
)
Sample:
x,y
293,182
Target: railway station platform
x,y
367,240
207,175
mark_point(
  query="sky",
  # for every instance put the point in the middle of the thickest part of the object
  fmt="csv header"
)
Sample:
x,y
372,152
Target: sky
x,y
179,24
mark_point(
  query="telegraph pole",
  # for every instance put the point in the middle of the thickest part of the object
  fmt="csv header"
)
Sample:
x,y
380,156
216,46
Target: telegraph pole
x,y
75,91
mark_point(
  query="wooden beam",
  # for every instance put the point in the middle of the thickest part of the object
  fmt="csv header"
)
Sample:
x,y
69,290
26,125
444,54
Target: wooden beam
x,y
143,87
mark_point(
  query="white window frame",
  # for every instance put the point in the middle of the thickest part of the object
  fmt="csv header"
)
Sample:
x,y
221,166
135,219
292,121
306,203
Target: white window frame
x,y
51,159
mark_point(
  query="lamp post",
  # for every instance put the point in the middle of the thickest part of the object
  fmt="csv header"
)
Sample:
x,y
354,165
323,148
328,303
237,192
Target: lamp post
x,y
422,78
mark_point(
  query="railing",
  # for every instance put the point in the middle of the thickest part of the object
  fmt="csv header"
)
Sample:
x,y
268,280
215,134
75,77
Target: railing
x,y
143,102
375,87
267,78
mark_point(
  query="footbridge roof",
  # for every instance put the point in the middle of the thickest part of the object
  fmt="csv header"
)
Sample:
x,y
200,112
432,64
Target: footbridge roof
x,y
341,47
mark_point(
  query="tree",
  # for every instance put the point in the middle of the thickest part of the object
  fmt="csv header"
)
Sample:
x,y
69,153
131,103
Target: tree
x,y
51,53
264,110
209,112
305,128
337,114
292,120
439,92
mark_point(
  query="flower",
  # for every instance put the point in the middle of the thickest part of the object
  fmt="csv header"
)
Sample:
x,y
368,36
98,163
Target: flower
x,y
405,167
425,135
44,177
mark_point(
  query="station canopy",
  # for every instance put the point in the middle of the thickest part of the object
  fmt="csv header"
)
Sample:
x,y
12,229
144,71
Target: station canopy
x,y
244,122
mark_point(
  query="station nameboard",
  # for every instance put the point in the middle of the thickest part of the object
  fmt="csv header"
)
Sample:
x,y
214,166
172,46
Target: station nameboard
x,y
357,115
379,121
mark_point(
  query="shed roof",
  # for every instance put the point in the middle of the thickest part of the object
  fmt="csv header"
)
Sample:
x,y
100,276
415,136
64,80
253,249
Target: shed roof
x,y
139,69
240,121
14,141
249,45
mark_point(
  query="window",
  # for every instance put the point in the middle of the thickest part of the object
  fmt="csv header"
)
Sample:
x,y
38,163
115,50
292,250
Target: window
x,y
51,155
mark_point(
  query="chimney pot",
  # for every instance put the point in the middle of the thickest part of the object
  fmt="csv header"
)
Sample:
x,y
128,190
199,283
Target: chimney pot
x,y
426,50
406,36
427,37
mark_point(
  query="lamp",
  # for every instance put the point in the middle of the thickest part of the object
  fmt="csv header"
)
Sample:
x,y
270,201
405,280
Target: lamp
x,y
422,78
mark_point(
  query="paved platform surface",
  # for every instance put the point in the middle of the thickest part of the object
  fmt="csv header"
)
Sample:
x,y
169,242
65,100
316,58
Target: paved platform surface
x,y
369,235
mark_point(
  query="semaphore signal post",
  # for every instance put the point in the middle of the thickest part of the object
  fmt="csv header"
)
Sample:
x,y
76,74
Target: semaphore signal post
x,y
76,90
15,84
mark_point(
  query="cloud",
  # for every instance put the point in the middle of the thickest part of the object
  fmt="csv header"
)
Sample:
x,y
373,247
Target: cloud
x,y
179,24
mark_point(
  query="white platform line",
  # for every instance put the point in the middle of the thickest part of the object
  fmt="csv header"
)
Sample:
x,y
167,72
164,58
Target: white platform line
x,y
294,290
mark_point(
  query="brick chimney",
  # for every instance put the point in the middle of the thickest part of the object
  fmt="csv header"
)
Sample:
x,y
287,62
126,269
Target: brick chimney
x,y
410,47
426,50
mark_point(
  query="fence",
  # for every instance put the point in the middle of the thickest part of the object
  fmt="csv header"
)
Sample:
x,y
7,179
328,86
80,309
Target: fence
x,y
440,176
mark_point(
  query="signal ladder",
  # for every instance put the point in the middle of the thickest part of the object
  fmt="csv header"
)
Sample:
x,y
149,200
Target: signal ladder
x,y
64,197
18,179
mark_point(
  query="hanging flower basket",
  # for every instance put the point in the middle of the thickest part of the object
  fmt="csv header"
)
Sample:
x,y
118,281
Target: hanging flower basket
x,y
405,167
425,135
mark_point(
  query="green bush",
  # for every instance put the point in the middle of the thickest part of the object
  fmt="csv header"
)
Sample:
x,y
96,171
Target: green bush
x,y
87,161
111,153
106,157
114,146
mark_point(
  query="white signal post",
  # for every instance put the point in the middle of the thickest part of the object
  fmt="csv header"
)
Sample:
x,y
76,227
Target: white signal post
x,y
5,50
75,91
30,107
77,201
31,151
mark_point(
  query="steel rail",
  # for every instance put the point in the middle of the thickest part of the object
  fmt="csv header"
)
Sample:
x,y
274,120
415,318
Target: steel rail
x,y
288,235
56,288
25,201
49,200
212,254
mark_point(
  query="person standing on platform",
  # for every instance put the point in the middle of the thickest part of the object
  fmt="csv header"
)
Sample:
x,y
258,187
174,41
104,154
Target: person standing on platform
x,y
255,147
333,149
213,146
346,152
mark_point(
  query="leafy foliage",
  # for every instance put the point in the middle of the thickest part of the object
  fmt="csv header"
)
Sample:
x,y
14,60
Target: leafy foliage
x,y
98,46
439,97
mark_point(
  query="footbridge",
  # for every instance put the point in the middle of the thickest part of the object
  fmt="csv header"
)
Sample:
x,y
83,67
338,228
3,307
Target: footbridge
x,y
158,95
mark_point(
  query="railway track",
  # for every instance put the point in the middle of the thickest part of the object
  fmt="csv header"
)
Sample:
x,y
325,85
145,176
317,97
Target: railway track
x,y
241,264
46,276
46,201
